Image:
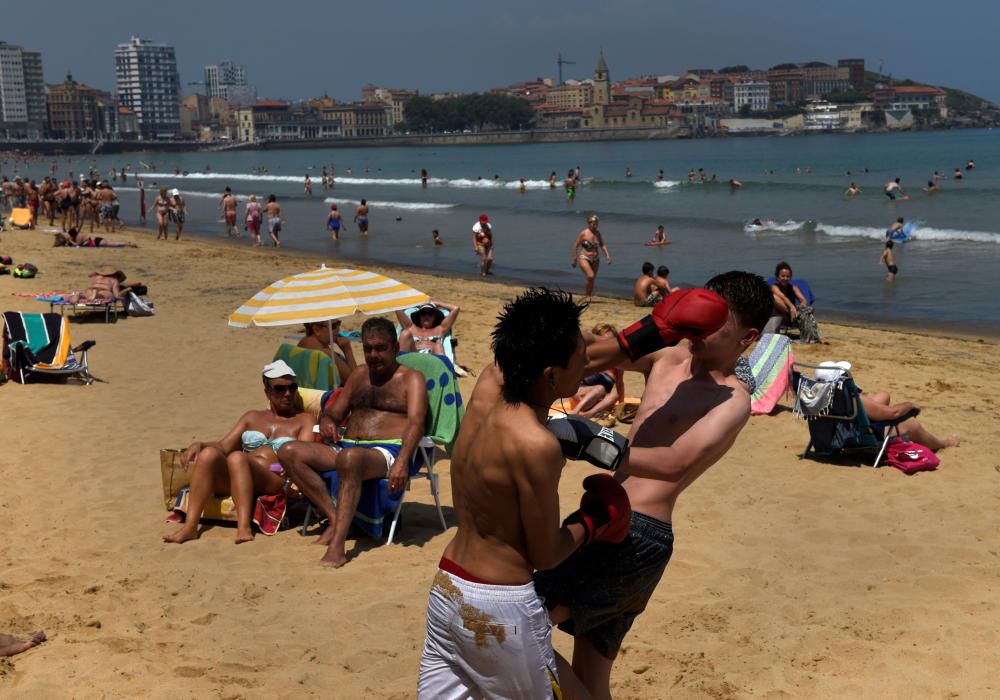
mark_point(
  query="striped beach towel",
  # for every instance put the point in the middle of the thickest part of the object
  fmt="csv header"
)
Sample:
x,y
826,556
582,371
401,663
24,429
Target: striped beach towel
x,y
313,368
771,364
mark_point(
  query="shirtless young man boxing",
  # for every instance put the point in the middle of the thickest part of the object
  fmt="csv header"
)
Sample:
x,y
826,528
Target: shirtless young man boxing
x,y
692,410
488,634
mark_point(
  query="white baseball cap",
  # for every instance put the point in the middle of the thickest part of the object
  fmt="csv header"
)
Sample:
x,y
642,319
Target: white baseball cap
x,y
278,368
830,371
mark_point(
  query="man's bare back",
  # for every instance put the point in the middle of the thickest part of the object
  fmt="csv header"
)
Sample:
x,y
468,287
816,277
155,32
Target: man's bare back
x,y
644,285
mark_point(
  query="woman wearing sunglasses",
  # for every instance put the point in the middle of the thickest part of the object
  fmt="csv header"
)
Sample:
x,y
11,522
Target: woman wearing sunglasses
x,y
244,463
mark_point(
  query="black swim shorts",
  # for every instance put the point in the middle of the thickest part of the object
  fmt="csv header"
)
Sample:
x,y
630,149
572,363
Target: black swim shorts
x,y
890,194
606,586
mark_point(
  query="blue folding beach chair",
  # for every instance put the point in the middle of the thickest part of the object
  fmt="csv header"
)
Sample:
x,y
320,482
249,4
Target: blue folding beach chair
x,y
444,416
837,419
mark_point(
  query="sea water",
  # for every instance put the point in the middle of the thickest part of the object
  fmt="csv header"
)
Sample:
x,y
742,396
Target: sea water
x,y
948,272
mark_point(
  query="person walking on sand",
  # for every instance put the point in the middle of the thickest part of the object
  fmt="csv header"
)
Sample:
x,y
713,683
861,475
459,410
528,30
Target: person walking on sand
x,y
589,242
253,216
228,204
892,189
333,223
273,211
178,212
482,244
162,206
361,218
889,260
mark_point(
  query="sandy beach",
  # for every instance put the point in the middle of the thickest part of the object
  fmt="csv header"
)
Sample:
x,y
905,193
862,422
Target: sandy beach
x,y
790,578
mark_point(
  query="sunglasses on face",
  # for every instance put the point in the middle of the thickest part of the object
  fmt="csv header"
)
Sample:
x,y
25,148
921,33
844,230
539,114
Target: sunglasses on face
x,y
284,388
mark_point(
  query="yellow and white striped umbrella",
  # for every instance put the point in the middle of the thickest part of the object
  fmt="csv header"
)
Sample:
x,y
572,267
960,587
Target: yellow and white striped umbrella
x,y
322,295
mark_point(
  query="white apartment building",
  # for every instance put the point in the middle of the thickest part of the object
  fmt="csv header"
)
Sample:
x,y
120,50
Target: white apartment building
x,y
228,80
756,93
22,92
149,84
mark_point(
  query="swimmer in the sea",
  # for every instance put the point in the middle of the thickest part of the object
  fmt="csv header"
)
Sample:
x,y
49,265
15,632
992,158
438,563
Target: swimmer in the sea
x,y
853,190
889,260
931,187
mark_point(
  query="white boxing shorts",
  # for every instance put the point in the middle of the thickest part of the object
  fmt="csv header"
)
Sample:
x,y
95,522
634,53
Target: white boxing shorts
x,y
485,640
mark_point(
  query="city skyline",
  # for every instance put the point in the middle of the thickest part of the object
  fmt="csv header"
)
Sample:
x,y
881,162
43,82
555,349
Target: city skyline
x,y
452,47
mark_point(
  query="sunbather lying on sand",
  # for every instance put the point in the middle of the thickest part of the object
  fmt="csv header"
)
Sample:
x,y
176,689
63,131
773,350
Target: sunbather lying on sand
x,y
105,285
11,645
74,240
245,461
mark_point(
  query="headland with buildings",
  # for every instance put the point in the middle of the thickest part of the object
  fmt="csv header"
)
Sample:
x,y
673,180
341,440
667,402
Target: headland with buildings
x,y
149,110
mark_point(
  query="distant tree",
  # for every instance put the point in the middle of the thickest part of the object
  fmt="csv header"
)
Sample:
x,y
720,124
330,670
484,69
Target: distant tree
x,y
783,66
745,110
734,69
474,111
851,95
815,64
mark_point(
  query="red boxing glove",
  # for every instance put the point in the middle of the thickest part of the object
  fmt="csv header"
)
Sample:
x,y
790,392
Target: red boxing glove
x,y
605,512
687,313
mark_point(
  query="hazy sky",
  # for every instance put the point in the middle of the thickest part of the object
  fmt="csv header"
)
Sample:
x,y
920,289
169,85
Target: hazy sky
x,y
302,49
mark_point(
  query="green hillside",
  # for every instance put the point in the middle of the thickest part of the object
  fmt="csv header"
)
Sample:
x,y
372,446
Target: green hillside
x,y
957,99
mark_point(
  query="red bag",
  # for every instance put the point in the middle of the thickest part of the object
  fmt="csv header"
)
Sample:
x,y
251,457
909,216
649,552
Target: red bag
x,y
910,457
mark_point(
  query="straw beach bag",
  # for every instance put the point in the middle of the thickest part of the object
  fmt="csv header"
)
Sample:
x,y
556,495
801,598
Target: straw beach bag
x,y
174,478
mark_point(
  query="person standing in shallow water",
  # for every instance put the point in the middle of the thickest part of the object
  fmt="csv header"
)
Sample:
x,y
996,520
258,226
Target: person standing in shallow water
x,y
889,260
586,249
274,222
361,218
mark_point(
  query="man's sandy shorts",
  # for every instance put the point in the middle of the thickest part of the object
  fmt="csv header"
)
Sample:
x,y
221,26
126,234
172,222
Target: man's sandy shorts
x,y
486,640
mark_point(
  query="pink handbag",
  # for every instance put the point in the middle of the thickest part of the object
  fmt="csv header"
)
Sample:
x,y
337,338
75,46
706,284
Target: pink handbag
x,y
910,457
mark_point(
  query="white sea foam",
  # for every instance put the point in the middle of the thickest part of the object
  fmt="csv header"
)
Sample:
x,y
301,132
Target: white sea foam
x,y
666,183
152,192
392,205
769,226
787,226
921,233
463,183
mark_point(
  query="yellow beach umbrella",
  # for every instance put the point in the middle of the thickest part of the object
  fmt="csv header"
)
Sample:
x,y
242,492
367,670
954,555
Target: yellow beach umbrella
x,y
322,295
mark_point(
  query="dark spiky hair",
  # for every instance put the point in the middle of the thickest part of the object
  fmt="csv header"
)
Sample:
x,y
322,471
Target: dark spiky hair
x,y
748,297
538,329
